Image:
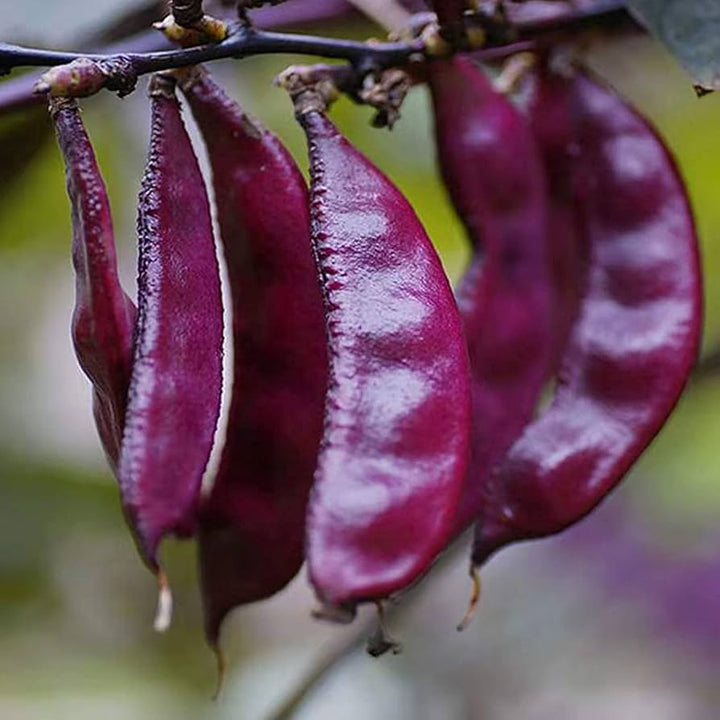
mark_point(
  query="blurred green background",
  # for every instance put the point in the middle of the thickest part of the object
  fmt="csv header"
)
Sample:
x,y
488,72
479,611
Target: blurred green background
x,y
617,618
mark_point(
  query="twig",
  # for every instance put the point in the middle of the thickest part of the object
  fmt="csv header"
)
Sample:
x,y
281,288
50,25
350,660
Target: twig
x,y
126,35
241,42
246,41
317,675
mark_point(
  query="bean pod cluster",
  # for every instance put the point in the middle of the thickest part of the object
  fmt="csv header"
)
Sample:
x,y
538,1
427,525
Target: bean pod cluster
x,y
374,413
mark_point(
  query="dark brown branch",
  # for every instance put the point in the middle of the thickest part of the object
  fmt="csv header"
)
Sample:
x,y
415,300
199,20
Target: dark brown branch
x,y
244,41
127,34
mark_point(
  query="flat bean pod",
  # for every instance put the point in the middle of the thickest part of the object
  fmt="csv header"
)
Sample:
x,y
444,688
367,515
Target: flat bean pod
x,y
635,340
252,527
174,395
397,417
104,317
495,177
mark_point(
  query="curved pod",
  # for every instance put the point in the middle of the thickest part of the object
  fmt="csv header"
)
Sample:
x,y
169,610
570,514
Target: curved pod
x,y
252,527
636,338
554,123
395,445
104,316
174,396
494,174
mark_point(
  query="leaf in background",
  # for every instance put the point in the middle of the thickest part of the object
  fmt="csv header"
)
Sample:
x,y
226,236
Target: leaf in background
x,y
691,30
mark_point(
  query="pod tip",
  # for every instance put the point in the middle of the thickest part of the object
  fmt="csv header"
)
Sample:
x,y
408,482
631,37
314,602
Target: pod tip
x,y
380,641
164,610
221,670
474,599
341,614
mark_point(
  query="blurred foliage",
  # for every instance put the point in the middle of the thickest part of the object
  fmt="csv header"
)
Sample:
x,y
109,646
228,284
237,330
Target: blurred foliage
x,y
553,638
691,30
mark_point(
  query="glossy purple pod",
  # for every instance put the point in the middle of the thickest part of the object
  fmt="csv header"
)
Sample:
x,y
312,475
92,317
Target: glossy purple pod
x,y
495,177
252,526
103,321
174,395
635,340
554,123
397,416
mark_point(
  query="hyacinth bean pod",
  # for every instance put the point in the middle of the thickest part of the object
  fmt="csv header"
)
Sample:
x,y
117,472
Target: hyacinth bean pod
x,y
104,317
635,340
494,174
552,118
252,526
397,416
174,395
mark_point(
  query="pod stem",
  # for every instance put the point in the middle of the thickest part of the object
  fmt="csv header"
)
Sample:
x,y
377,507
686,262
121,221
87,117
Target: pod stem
x,y
56,104
381,641
341,614
162,85
164,610
474,599
221,660
310,88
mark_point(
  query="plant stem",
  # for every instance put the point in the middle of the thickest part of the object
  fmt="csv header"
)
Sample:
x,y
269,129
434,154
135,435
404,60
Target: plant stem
x,y
242,42
317,674
245,41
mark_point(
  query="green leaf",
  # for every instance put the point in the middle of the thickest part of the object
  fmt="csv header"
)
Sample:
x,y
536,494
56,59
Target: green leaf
x,y
691,30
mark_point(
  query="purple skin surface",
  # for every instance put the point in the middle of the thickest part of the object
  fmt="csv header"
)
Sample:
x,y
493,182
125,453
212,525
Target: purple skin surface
x,y
549,97
104,317
493,172
174,396
397,416
252,527
634,343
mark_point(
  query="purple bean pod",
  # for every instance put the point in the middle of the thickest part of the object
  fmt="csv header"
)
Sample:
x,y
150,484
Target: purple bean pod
x,y
174,396
494,174
397,415
252,527
104,317
634,343
553,121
